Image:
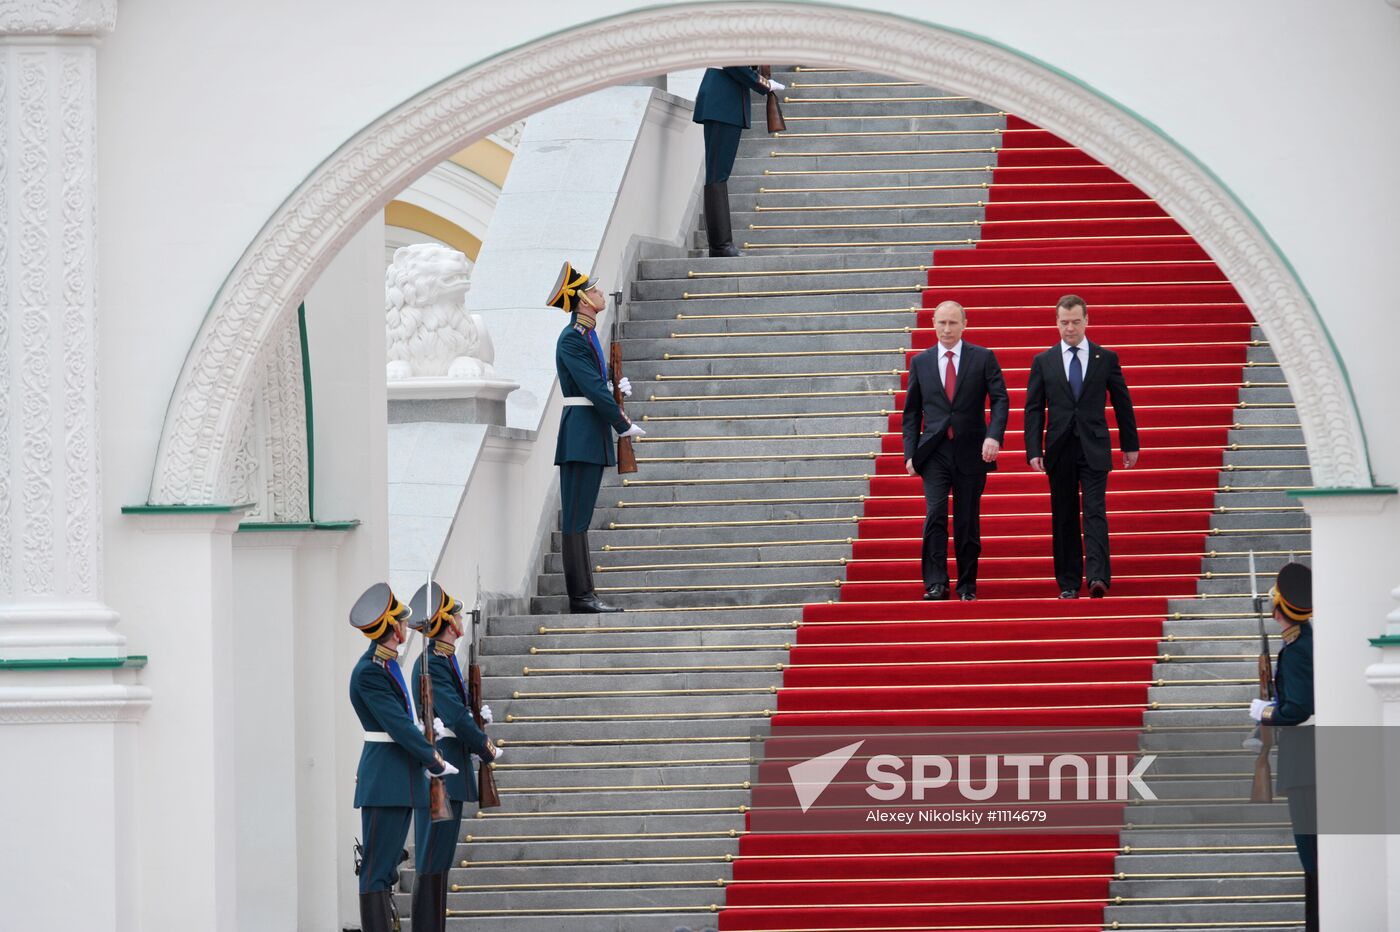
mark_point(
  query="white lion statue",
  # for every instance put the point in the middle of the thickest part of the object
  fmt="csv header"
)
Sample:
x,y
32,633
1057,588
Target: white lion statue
x,y
427,329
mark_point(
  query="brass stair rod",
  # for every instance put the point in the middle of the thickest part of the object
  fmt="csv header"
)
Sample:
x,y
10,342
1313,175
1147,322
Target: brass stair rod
x,y
876,351
941,170
940,205
769,713
863,100
924,268
661,377
971,185
1098,308
887,412
963,242
900,224
895,116
854,687
862,84
856,331
818,499
853,561
961,150
868,133
920,286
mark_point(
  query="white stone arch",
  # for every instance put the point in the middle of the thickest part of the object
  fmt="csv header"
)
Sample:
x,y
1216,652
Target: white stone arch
x,y
195,458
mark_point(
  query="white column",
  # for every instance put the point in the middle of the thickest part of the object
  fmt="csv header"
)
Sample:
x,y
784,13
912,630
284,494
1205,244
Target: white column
x,y
68,695
50,478
187,804
1384,678
1353,535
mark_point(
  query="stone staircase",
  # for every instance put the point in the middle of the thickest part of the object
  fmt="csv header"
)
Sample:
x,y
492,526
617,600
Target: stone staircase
x,y
628,737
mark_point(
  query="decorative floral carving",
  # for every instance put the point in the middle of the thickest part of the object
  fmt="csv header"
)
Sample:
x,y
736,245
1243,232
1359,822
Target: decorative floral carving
x,y
6,540
194,463
426,326
32,314
76,93
57,17
286,480
509,136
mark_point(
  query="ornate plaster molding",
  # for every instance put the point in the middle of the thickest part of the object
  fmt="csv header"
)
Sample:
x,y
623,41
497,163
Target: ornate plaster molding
x,y
194,462
57,17
271,467
51,705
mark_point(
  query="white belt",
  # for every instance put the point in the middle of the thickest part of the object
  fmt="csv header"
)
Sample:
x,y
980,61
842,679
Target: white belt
x,y
1307,721
571,402
380,737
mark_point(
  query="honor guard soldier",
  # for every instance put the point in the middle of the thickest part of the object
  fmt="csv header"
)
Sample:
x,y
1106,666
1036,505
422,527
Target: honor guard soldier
x,y
438,617
722,108
391,780
1293,708
586,428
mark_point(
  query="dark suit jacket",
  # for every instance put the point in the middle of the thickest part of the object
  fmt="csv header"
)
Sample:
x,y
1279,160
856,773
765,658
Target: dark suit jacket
x,y
390,773
585,432
723,96
1048,390
1293,691
450,705
928,413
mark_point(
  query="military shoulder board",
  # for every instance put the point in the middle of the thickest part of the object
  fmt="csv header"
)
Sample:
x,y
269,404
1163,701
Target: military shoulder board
x,y
581,329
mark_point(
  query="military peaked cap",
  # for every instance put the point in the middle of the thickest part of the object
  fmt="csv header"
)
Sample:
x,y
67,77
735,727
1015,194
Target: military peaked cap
x,y
431,611
564,294
376,610
1292,593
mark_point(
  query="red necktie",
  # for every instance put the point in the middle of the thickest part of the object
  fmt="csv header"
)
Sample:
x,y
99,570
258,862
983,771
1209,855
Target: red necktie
x,y
950,383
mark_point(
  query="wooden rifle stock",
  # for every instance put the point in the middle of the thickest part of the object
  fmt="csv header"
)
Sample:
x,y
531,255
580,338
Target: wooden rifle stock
x,y
437,789
626,458
1262,790
487,797
776,123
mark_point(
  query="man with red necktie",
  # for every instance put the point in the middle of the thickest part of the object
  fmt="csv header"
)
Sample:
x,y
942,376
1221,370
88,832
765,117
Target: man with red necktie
x,y
950,443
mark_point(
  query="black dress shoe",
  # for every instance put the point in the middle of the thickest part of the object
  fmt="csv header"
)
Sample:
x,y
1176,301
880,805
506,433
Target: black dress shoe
x,y
1069,593
1098,589
968,596
936,593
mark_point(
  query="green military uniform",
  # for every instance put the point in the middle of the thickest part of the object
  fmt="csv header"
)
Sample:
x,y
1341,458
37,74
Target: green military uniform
x,y
435,843
722,107
1293,708
391,779
586,428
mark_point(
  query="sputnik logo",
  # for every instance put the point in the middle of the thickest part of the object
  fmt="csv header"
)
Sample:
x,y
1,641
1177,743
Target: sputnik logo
x,y
811,777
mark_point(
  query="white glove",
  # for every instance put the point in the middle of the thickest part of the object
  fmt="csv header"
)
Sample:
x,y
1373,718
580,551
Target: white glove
x,y
633,431
625,387
446,771
1257,707
500,752
776,85
1253,742
438,726
486,714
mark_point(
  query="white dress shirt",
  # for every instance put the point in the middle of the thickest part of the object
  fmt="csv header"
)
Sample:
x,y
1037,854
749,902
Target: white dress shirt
x,y
943,361
1065,357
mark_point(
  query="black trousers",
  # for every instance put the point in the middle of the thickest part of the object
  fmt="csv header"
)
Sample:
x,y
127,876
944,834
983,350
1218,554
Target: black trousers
x,y
578,494
1071,477
721,148
940,474
384,830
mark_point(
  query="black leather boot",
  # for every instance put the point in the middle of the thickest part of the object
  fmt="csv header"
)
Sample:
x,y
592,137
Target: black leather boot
x,y
717,228
429,902
599,606
578,577
376,915
1312,921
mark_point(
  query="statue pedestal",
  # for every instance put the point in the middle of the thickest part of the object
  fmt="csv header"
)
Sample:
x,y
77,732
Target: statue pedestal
x,y
454,401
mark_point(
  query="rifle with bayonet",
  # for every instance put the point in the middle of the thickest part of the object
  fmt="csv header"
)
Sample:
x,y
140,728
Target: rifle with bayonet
x,y
487,796
1263,789
438,806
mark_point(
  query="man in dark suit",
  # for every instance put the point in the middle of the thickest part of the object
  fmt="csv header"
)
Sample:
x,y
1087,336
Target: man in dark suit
x,y
722,107
591,416
1293,708
392,778
950,444
1067,437
438,617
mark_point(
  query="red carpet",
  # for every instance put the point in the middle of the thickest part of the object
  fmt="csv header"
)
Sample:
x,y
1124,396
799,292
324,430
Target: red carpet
x,y
1056,222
